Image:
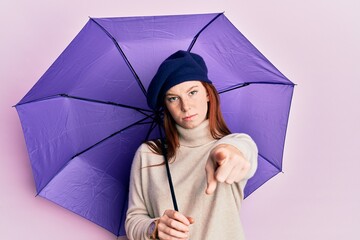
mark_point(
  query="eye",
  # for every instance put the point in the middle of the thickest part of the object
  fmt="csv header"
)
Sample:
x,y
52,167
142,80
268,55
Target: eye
x,y
193,92
172,99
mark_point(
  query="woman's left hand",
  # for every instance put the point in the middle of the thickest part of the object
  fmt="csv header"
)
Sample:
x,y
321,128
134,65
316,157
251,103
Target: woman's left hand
x,y
225,164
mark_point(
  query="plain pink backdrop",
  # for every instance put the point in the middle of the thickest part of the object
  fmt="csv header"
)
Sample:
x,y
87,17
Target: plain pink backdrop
x,y
314,43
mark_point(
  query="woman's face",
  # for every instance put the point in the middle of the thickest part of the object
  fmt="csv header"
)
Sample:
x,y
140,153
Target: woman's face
x,y
187,103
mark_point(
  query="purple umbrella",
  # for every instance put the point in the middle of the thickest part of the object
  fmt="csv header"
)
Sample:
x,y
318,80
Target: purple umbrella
x,y
86,116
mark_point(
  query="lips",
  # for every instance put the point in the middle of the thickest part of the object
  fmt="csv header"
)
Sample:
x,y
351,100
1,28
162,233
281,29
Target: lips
x,y
189,118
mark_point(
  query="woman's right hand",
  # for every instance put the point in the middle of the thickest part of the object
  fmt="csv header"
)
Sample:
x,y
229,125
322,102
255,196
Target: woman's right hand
x,y
174,226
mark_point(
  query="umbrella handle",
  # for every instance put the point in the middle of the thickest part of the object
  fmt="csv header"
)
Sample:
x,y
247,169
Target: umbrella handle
x,y
164,151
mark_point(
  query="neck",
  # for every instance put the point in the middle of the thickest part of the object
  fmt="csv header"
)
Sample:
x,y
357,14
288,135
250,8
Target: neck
x,y
195,136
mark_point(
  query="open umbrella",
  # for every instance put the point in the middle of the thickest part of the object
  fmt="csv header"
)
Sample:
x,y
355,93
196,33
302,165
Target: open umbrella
x,y
86,116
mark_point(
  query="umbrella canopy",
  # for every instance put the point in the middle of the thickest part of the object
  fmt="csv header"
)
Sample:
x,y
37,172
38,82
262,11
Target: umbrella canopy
x,y
86,116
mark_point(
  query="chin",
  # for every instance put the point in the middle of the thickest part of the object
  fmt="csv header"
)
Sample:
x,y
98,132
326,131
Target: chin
x,y
190,125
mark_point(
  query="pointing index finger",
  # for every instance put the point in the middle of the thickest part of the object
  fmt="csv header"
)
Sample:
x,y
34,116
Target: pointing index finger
x,y
210,176
220,156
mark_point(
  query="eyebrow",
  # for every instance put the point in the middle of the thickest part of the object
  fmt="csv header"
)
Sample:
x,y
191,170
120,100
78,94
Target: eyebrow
x,y
191,88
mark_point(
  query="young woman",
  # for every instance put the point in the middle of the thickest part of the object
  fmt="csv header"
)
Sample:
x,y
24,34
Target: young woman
x,y
209,165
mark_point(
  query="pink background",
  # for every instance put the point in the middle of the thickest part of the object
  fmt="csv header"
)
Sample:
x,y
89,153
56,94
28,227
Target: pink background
x,y
314,43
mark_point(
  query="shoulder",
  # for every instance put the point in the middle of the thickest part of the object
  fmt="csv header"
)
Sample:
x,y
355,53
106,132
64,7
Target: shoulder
x,y
144,153
236,137
144,148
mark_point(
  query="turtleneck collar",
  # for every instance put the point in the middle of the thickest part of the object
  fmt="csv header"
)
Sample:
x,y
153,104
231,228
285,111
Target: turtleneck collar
x,y
196,136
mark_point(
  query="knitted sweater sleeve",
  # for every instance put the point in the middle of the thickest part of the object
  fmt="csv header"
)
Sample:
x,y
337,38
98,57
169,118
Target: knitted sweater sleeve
x,y
247,146
137,218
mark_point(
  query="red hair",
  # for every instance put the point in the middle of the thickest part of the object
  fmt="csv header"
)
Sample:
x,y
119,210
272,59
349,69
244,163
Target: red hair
x,y
217,125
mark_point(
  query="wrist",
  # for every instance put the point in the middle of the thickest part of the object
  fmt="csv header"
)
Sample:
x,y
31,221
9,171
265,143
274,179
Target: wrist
x,y
153,230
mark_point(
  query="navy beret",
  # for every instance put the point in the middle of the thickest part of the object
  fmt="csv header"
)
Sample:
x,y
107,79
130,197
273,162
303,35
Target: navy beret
x,y
179,67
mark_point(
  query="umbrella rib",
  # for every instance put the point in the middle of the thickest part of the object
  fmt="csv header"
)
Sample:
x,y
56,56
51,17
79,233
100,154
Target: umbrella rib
x,y
92,146
38,100
282,154
123,55
198,34
141,110
111,135
152,127
234,87
271,163
247,84
260,185
279,169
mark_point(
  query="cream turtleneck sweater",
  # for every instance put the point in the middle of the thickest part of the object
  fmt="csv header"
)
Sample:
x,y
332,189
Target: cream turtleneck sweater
x,y
216,216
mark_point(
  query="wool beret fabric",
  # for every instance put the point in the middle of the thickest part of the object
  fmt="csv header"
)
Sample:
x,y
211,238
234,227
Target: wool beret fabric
x,y
179,67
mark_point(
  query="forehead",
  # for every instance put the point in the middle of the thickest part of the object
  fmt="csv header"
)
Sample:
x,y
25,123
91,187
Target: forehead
x,y
184,86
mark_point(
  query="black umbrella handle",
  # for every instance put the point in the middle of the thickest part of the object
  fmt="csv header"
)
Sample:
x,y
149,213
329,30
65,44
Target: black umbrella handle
x,y
164,151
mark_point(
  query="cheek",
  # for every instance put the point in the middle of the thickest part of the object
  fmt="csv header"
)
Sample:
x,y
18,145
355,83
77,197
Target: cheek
x,y
172,110
204,105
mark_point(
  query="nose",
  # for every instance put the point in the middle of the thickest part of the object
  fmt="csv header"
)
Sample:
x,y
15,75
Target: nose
x,y
185,106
